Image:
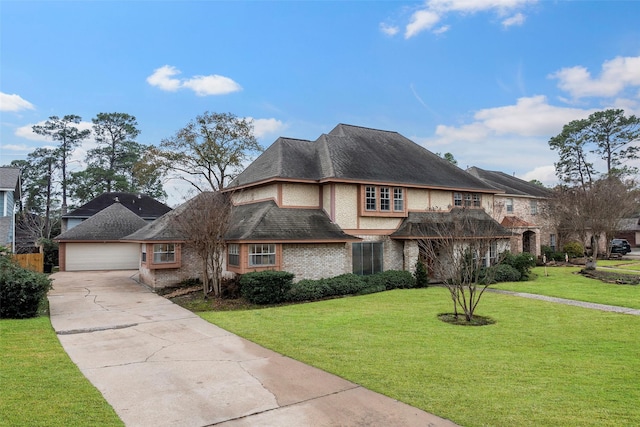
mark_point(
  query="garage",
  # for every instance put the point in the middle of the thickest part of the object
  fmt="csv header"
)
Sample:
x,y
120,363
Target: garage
x,y
95,244
102,256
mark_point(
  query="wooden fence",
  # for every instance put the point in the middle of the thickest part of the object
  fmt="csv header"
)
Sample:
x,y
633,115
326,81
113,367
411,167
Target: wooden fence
x,y
33,262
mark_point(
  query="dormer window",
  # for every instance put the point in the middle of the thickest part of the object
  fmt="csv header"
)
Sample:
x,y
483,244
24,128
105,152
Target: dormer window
x,y
383,200
468,200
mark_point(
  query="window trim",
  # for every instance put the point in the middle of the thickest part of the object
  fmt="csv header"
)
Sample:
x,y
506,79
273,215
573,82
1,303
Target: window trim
x,y
269,253
169,249
467,199
379,194
149,251
509,204
233,249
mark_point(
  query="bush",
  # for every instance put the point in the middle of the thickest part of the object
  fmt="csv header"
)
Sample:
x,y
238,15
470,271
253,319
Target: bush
x,y
308,290
346,284
21,291
266,287
522,262
551,255
392,279
372,289
573,249
500,273
421,275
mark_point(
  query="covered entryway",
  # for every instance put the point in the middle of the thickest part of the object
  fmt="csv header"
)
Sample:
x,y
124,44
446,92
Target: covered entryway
x,y
101,256
529,242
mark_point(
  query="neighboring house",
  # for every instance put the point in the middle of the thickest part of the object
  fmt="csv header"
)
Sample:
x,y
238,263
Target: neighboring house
x,y
9,195
142,205
629,228
95,243
520,209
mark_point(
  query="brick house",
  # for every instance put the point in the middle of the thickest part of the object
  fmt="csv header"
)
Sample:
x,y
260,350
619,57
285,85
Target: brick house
x,y
355,200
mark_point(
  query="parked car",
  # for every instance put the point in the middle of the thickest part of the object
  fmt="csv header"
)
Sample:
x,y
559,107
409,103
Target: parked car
x,y
620,246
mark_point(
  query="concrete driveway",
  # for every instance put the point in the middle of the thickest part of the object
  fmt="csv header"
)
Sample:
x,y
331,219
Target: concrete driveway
x,y
158,364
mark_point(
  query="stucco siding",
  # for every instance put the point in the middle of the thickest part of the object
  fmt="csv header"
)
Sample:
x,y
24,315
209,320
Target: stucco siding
x,y
441,200
254,194
379,223
346,199
417,199
301,195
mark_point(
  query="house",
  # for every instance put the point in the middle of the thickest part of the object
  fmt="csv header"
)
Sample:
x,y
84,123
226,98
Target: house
x,y
9,195
355,200
520,209
94,244
142,205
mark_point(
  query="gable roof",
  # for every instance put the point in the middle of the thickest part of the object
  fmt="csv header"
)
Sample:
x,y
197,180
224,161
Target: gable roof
x,y
357,154
432,225
509,184
110,224
9,179
142,205
266,221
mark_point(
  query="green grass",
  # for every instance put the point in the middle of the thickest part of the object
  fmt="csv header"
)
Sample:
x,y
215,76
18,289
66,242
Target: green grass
x,y
540,364
562,282
40,385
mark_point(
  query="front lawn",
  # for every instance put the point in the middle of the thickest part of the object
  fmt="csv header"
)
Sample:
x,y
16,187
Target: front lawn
x,y
564,282
540,364
40,385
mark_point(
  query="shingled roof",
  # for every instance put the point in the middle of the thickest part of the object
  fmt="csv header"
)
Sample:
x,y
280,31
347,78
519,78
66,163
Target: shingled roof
x,y
142,205
109,225
436,224
509,184
266,221
352,153
9,179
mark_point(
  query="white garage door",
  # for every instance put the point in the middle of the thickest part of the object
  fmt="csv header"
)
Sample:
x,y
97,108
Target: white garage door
x,y
102,256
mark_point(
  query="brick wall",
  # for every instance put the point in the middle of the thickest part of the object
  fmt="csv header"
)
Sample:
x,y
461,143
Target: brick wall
x,y
316,261
161,278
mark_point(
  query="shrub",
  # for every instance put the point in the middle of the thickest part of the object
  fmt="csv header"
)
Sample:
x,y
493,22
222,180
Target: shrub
x,y
266,287
500,273
308,290
372,289
21,291
392,279
573,249
346,284
522,262
421,275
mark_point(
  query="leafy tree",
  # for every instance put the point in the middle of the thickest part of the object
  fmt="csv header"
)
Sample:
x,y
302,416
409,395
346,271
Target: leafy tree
x,y
571,144
209,151
449,157
615,138
69,138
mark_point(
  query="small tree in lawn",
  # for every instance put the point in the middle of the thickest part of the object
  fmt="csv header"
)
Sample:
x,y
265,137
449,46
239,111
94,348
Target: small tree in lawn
x,y
457,248
203,221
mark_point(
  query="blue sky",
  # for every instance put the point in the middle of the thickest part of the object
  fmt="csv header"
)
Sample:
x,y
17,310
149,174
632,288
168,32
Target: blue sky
x,y
488,80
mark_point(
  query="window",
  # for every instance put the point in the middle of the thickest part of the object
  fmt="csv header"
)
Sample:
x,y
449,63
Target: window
x,y
233,251
552,242
263,254
509,205
367,257
493,253
398,199
370,198
457,199
533,206
164,253
467,200
477,201
144,252
385,199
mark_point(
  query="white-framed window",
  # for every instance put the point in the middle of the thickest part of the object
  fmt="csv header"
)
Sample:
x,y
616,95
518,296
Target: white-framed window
x,y
509,204
262,254
370,198
233,251
477,200
457,199
533,207
467,200
398,199
552,242
143,252
493,253
367,257
164,253
385,199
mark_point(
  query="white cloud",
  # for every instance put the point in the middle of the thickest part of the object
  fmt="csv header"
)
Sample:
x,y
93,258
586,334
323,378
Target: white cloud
x,y
389,30
544,174
517,19
264,127
434,11
27,132
214,84
14,103
161,78
617,74
211,85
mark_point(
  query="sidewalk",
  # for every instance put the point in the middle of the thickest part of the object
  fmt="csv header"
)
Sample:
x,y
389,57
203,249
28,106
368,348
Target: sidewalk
x,y
595,306
158,364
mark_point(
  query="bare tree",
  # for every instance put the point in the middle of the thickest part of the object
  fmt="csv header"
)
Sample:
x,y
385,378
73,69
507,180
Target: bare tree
x,y
204,221
457,246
